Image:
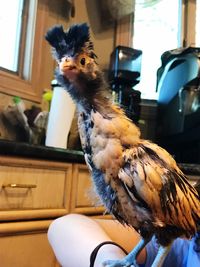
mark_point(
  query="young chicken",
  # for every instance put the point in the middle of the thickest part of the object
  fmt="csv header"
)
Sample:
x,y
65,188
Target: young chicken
x,y
138,181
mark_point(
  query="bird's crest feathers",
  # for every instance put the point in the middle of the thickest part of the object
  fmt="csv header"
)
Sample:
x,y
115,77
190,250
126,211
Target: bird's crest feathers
x,y
75,39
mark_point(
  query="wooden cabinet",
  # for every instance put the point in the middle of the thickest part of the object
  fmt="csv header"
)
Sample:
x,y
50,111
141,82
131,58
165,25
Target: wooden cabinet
x,y
29,249
32,193
31,189
83,198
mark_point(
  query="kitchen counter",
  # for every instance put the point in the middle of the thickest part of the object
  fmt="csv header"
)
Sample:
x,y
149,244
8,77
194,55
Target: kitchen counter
x,y
11,148
190,169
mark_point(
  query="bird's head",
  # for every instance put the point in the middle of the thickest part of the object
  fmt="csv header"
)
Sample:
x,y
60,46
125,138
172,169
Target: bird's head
x,y
73,50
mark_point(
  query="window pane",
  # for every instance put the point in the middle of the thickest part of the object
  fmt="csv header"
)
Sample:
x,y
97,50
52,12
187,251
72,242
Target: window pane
x,y
197,41
10,29
156,30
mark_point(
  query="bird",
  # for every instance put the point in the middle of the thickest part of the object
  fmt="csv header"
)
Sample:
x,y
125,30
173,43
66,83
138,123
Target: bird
x,y
138,181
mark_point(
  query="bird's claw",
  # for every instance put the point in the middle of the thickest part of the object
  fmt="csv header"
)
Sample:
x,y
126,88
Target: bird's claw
x,y
119,263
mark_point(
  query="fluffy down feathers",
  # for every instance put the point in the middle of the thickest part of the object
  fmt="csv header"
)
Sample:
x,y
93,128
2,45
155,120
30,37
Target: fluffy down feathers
x,y
138,181
151,192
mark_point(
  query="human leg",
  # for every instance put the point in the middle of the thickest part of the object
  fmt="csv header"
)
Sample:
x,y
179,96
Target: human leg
x,y
74,237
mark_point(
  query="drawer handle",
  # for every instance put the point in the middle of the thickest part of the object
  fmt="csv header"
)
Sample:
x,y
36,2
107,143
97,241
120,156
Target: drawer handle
x,y
19,185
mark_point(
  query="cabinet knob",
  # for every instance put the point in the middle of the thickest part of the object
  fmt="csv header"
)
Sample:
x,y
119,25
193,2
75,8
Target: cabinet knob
x,y
13,185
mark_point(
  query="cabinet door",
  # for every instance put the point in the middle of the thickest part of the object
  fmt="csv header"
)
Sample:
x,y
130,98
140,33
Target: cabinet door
x,y
26,250
84,199
33,189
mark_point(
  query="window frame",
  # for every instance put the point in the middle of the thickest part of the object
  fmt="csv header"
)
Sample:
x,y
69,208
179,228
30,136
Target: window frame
x,y
188,22
28,88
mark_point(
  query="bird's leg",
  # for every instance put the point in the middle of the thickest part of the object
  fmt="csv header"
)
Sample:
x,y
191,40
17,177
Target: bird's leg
x,y
130,259
161,255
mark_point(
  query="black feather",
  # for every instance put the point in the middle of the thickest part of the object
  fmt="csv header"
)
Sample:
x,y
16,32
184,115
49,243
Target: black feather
x,y
197,187
55,35
56,38
71,42
77,36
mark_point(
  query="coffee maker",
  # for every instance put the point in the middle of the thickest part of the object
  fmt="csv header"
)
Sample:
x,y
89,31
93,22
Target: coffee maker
x,y
124,74
178,126
179,91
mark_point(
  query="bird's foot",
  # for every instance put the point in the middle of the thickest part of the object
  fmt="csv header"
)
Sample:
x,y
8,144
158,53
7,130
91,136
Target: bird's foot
x,y
130,259
120,263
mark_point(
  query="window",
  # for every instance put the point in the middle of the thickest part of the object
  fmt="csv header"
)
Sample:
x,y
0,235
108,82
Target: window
x,y
156,29
11,33
161,25
22,37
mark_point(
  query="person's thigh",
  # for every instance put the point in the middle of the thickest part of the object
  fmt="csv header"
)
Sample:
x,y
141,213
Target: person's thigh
x,y
74,237
125,236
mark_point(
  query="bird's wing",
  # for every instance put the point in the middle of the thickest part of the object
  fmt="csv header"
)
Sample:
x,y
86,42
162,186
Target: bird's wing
x,y
152,177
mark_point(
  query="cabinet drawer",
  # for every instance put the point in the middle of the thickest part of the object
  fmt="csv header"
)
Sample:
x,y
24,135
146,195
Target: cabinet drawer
x,y
34,185
28,249
84,199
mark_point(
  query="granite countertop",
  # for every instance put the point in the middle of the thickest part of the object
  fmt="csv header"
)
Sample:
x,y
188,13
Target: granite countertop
x,y
65,155
190,168
40,152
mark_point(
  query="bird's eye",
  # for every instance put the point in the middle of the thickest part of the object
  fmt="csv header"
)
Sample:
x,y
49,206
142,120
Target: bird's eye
x,y
82,61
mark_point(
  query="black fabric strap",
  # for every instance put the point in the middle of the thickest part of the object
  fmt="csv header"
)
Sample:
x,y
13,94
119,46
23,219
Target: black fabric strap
x,y
95,251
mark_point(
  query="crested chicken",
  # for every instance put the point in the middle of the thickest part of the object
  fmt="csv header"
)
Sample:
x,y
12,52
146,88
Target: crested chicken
x,y
139,182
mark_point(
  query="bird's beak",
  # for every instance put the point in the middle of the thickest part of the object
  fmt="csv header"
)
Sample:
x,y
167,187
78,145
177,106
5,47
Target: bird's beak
x,y
68,67
67,64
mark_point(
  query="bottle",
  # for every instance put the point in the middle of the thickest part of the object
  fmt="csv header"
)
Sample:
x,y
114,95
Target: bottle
x,y
60,117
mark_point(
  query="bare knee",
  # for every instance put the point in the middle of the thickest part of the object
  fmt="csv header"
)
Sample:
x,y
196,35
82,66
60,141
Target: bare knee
x,y
65,235
63,225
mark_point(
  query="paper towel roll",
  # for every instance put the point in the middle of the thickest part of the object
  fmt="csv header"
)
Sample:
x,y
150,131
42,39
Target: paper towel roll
x,y
60,118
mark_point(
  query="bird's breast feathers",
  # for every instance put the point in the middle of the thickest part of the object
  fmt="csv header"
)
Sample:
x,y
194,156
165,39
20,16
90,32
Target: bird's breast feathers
x,y
139,171
103,138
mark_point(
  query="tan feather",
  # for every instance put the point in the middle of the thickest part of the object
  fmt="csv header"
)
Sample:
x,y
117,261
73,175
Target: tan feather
x,y
148,177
